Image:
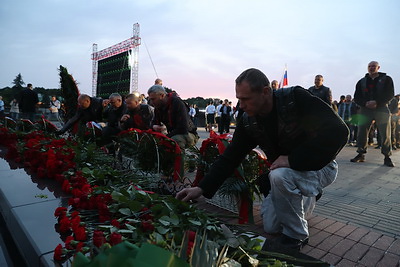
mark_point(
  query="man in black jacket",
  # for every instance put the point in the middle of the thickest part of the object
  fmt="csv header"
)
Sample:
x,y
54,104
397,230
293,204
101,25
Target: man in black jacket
x,y
171,114
112,114
373,93
89,109
137,115
28,103
320,90
301,137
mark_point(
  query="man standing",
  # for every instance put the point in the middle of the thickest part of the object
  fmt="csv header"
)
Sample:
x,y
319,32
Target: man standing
x,y
27,103
172,114
347,110
210,116
373,93
138,115
320,90
225,117
301,137
218,117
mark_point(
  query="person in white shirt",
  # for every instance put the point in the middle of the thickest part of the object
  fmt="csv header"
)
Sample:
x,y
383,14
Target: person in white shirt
x,y
210,116
55,105
192,113
1,107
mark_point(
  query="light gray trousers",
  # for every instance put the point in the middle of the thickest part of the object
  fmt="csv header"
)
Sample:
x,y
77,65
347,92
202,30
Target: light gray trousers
x,y
292,197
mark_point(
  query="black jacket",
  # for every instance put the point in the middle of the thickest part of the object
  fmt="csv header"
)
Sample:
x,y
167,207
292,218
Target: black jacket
x,y
93,113
300,126
383,93
113,116
140,118
175,117
28,100
322,92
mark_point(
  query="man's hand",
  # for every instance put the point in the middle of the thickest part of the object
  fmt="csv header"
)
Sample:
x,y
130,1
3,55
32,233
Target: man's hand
x,y
125,117
159,128
106,102
371,104
280,162
188,194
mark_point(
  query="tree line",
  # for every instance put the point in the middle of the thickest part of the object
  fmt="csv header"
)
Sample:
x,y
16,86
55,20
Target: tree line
x,y
18,84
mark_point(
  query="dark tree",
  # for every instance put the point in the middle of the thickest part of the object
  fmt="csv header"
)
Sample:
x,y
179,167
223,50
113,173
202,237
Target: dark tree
x,y
69,92
18,82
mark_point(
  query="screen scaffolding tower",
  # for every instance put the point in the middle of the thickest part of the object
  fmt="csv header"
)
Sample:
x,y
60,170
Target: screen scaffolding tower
x,y
115,69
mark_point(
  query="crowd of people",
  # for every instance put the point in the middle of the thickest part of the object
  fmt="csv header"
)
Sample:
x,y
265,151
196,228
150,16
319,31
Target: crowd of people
x,y
301,131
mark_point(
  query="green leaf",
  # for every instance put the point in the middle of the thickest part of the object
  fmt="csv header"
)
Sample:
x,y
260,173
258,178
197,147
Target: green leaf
x,y
125,211
87,171
135,206
162,230
174,219
124,231
164,222
130,227
195,222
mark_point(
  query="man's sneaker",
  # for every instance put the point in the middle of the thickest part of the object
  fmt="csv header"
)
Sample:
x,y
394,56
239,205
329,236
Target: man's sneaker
x,y
359,158
388,162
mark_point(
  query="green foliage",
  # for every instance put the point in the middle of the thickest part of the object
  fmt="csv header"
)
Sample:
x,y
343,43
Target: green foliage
x,y
199,101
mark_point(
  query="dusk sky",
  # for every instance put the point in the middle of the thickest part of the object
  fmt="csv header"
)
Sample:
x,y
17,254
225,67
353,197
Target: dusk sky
x,y
200,47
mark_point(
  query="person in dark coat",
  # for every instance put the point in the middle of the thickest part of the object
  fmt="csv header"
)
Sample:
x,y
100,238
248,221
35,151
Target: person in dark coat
x,y
301,136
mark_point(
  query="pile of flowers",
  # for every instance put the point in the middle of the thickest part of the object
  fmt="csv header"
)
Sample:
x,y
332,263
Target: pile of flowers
x,y
112,212
108,206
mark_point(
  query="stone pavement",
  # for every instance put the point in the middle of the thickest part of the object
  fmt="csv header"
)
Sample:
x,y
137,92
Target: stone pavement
x,y
357,220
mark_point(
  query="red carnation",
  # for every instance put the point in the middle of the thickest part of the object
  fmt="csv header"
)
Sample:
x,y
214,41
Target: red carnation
x,y
80,233
74,214
115,238
68,242
98,238
65,225
147,226
75,222
115,223
58,253
79,246
60,212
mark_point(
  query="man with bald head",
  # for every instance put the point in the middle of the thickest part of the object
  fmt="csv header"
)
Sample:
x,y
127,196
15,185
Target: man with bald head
x,y
137,115
89,109
373,93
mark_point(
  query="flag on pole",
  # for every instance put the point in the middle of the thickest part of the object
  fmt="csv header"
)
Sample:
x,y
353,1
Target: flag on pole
x,y
284,80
